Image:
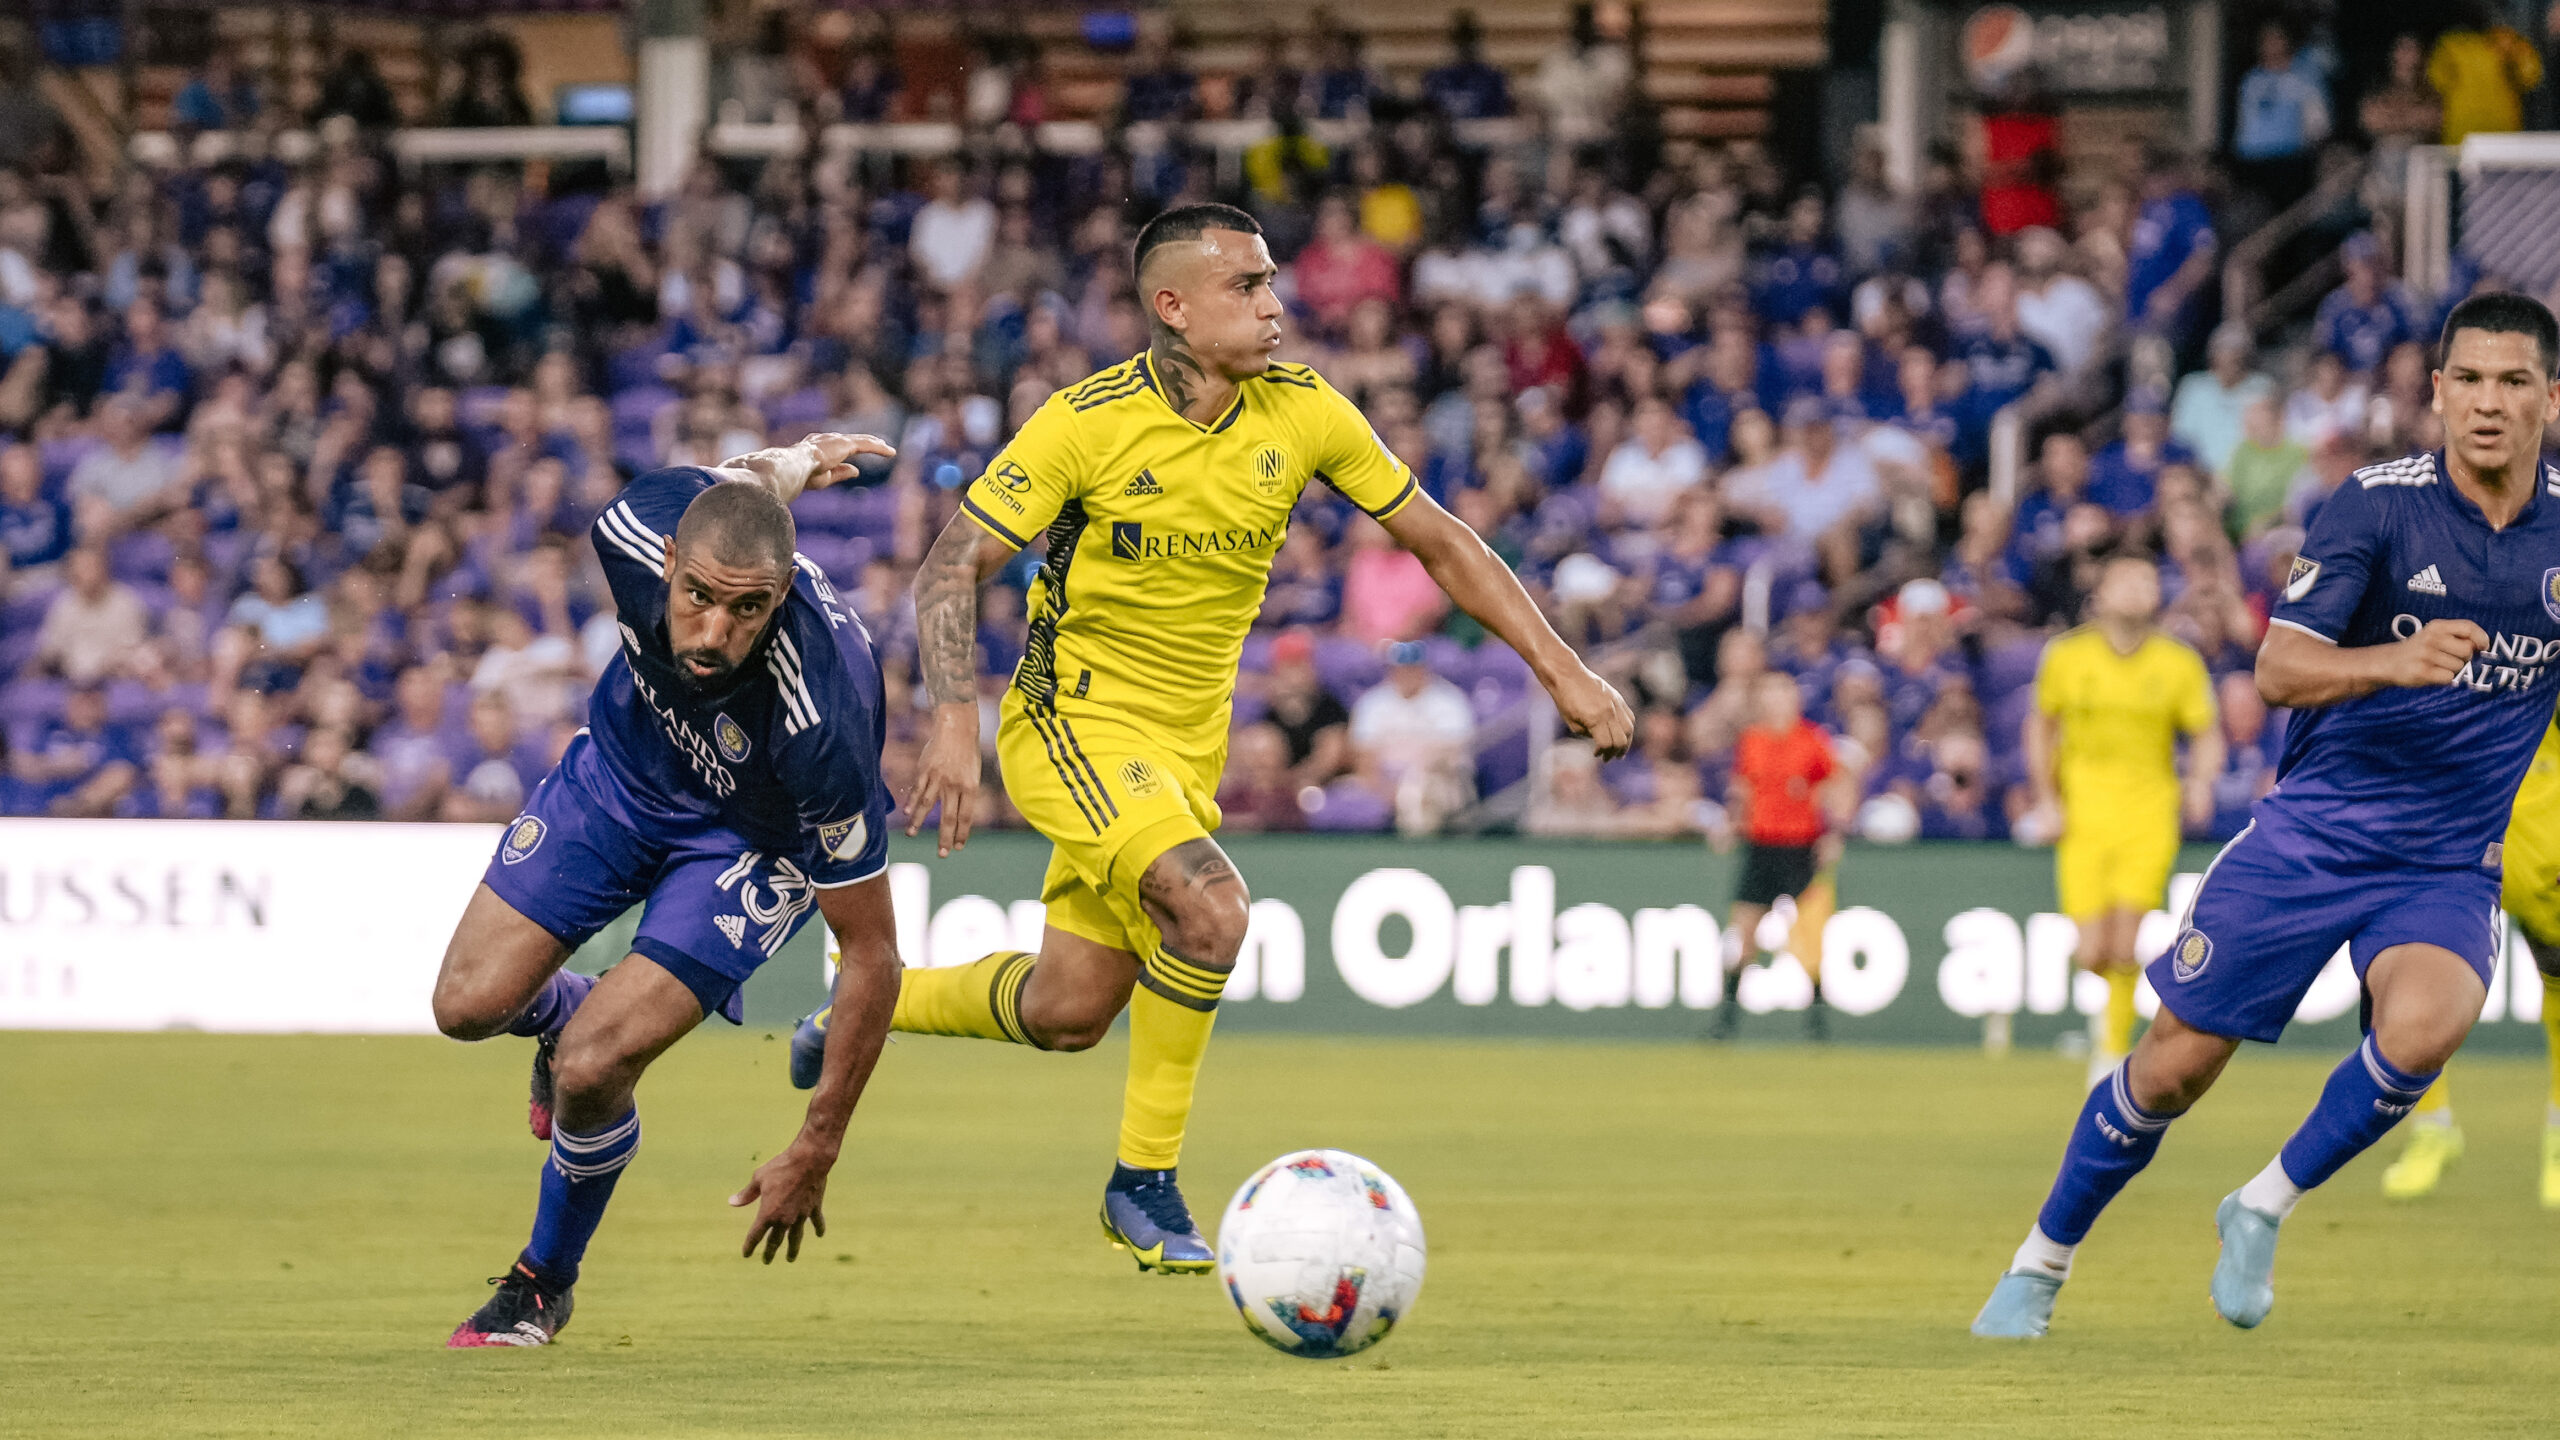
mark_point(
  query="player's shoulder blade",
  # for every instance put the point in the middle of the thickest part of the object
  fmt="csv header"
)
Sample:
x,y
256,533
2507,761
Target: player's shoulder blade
x,y
1119,382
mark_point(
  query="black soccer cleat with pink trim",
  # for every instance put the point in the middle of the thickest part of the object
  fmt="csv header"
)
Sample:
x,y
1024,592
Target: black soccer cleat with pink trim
x,y
527,1310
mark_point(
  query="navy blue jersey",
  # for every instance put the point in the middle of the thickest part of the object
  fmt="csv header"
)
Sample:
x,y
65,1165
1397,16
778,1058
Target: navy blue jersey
x,y
2422,776
787,754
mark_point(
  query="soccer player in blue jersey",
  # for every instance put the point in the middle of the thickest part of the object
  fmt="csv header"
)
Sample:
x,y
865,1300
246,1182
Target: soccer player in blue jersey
x,y
2418,643
728,779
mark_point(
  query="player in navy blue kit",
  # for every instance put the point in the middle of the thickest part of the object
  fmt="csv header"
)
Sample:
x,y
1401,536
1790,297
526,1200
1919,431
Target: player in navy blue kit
x,y
2417,643
728,779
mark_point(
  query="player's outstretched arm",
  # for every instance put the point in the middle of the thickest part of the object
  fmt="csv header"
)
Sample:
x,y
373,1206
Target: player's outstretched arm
x,y
815,463
947,652
2299,670
1480,584
790,1190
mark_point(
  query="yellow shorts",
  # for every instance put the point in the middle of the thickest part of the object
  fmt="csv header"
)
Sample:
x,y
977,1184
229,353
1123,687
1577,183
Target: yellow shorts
x,y
2531,890
1111,796
2123,866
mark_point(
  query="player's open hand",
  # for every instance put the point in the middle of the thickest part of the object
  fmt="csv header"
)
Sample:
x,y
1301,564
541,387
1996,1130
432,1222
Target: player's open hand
x,y
1592,706
792,1187
2436,653
947,775
836,452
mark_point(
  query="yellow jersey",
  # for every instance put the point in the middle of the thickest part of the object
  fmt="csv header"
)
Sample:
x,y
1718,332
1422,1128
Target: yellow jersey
x,y
1161,532
2121,718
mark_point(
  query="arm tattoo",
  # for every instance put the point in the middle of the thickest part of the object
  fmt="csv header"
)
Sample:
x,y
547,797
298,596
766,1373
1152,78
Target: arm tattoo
x,y
1177,369
947,615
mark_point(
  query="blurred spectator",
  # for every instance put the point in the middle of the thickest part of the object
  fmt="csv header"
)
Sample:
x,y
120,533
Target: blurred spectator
x,y
354,87
2481,69
2400,111
127,480
2208,414
1414,731
2263,467
79,765
1341,268
1875,224
1567,798
2171,257
217,97
2057,309
1651,469
2124,477
1160,86
1467,88
1386,594
955,232
489,92
284,624
1259,792
1343,84
1815,494
2362,320
94,625
2331,401
416,747
2283,115
1583,84
35,528
335,781
1313,726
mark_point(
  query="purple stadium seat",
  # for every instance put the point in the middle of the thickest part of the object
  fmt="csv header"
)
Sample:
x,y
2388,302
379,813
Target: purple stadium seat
x,y
477,407
842,557
61,455
1249,710
1503,666
26,702
141,556
790,416
1347,667
639,406
2004,720
1256,659
1449,660
836,511
1504,763
1349,808
2009,667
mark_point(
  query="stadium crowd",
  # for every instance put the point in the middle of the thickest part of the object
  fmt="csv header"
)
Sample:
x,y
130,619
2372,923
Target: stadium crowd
x,y
297,460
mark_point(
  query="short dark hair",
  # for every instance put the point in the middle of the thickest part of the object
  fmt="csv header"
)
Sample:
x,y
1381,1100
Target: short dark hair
x,y
2502,312
1187,222
740,523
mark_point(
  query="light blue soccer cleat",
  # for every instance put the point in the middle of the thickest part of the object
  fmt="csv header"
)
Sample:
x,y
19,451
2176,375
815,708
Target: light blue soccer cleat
x,y
809,1049
2244,1279
1143,1213
2020,1307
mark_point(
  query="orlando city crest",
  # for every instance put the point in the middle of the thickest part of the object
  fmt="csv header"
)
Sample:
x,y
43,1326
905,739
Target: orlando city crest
x,y
2551,592
523,838
2190,954
731,737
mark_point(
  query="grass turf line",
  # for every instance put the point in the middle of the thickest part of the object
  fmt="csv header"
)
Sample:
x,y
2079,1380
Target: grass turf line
x,y
271,1236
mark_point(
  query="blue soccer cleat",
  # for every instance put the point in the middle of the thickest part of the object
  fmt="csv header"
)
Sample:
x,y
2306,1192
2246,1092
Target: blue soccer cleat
x,y
809,1049
1143,1213
2244,1279
2020,1307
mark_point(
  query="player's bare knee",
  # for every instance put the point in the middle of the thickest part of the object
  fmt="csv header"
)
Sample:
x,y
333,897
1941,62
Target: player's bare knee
x,y
1210,932
465,1011
587,1070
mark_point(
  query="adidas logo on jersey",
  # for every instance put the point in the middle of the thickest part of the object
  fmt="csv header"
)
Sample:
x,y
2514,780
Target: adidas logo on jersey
x,y
1145,484
2427,582
733,926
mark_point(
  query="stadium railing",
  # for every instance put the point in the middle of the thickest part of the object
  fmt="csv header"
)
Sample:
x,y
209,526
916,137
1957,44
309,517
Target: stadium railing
x,y
421,146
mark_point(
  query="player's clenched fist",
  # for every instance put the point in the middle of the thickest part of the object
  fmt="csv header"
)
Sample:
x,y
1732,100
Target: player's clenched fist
x,y
2437,652
1592,706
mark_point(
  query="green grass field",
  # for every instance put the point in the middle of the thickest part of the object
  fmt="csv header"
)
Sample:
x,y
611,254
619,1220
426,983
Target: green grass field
x,y
249,1236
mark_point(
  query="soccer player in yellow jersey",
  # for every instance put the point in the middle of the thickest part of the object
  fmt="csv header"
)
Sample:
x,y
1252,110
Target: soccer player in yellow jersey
x,y
2112,698
2530,893
1160,489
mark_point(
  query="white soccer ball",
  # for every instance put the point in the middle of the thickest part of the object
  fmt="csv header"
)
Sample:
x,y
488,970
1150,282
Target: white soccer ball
x,y
1322,1253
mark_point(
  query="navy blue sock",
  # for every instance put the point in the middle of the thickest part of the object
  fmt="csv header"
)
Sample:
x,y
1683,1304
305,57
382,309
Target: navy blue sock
x,y
2366,1096
553,1004
576,1182
2110,1143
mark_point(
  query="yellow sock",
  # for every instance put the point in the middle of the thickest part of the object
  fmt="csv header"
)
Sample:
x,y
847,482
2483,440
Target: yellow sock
x,y
2436,1106
2551,1031
2120,1015
1170,1013
982,999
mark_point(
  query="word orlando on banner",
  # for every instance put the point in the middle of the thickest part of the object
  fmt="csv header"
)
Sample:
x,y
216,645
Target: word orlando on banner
x,y
116,925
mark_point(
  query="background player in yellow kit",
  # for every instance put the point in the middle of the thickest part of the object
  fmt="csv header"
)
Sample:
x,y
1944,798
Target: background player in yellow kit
x,y
2530,892
1163,486
2112,698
